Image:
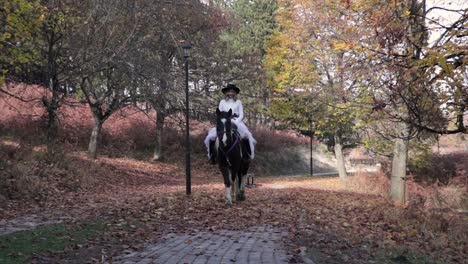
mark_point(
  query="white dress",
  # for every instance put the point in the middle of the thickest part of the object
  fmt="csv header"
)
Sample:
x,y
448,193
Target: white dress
x,y
236,107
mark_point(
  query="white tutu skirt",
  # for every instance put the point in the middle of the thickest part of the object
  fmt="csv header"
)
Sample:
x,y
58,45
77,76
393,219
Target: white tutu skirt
x,y
243,131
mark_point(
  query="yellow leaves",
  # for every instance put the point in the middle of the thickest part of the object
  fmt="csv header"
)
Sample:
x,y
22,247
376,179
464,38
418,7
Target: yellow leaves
x,y
359,48
341,46
406,13
284,61
6,36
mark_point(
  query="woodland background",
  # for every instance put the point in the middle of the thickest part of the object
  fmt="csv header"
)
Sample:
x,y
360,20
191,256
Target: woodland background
x,y
378,80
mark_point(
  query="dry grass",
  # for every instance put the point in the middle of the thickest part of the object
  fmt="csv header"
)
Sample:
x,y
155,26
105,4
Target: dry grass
x,y
31,173
453,196
376,184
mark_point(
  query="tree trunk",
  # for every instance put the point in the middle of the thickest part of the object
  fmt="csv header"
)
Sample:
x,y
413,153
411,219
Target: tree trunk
x,y
340,158
95,135
54,86
52,108
52,126
161,107
400,157
160,116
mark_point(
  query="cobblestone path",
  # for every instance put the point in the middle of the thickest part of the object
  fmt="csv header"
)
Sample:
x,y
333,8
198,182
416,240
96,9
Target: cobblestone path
x,y
256,245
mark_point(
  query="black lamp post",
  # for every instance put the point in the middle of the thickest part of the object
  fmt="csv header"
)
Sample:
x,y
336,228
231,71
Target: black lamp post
x,y
186,47
311,146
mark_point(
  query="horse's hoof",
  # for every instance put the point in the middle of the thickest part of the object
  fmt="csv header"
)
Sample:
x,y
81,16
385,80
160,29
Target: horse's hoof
x,y
228,203
241,197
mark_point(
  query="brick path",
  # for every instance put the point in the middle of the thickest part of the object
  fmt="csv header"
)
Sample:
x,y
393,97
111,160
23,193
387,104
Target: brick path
x,y
256,245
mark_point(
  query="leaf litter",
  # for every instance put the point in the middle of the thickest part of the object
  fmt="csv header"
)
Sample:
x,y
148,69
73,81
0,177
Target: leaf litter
x,y
140,202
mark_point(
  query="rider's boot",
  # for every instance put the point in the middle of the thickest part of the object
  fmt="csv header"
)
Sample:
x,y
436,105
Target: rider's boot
x,y
246,146
212,155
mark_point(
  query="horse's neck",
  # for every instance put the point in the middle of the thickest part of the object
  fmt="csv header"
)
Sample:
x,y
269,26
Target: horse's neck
x,y
235,136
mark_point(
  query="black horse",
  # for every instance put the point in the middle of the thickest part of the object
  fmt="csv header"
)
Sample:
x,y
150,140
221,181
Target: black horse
x,y
232,156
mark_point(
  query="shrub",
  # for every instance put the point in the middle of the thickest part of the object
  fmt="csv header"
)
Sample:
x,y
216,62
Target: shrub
x,y
31,173
19,177
429,168
272,140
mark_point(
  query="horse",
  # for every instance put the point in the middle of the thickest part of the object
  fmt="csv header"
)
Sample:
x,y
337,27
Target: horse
x,y
232,156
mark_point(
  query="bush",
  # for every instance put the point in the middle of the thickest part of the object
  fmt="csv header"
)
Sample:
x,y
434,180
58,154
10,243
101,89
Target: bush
x,y
19,178
272,140
428,167
31,173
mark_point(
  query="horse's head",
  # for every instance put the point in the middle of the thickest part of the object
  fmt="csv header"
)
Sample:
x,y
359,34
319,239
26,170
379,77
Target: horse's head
x,y
224,126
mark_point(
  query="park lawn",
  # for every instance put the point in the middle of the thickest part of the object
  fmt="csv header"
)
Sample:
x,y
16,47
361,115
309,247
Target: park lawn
x,y
20,247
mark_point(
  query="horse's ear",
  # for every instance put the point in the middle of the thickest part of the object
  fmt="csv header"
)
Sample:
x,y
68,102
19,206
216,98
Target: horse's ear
x,y
217,111
230,112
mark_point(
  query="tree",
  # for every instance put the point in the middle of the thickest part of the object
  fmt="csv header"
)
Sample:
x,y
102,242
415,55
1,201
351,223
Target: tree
x,y
102,51
161,59
239,52
20,22
35,50
421,89
156,59
312,55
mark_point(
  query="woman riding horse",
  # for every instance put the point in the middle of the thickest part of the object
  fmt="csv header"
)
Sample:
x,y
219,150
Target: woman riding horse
x,y
231,102
230,152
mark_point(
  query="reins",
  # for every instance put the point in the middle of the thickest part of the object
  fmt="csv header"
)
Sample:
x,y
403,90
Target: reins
x,y
226,154
233,145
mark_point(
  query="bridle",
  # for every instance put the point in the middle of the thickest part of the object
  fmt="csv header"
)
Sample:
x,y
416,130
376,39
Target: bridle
x,y
233,145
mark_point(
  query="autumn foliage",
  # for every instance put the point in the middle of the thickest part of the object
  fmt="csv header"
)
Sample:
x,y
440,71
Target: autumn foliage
x,y
350,72
333,220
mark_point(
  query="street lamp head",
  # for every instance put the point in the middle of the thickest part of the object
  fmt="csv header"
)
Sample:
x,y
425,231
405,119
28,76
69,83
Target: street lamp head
x,y
186,47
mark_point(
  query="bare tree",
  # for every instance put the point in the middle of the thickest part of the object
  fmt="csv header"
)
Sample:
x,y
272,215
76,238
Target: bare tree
x,y
103,48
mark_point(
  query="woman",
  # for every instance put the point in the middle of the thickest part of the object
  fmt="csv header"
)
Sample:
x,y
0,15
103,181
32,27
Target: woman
x,y
231,102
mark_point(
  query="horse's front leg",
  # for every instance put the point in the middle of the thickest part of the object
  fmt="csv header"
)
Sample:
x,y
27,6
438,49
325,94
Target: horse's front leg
x,y
227,184
235,186
242,187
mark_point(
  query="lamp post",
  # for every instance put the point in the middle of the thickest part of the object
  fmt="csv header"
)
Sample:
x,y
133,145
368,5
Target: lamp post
x,y
312,132
186,47
311,146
